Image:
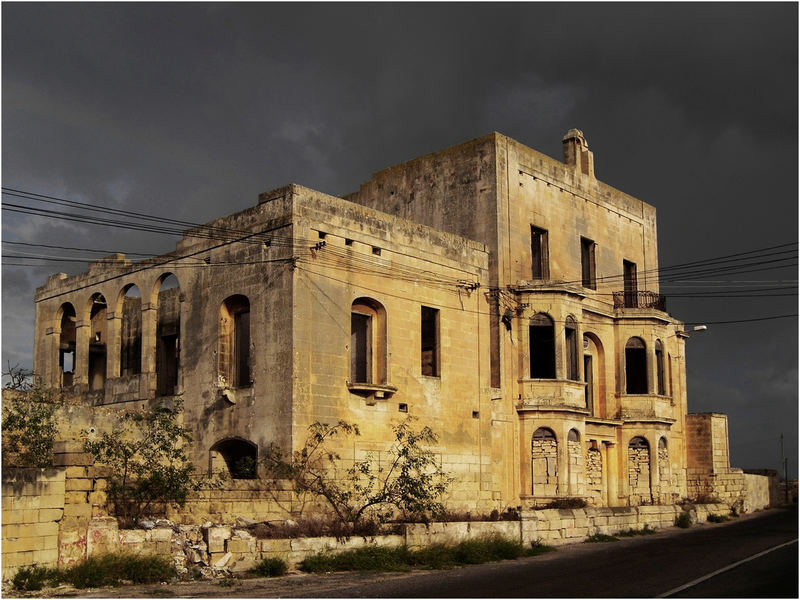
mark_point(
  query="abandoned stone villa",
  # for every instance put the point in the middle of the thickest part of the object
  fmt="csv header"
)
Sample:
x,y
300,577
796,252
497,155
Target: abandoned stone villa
x,y
508,300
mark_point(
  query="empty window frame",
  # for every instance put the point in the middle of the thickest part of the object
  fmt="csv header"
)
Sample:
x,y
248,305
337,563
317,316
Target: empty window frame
x,y
660,379
542,347
588,272
234,342
635,366
97,342
630,284
130,356
367,342
168,335
571,345
429,333
66,344
540,262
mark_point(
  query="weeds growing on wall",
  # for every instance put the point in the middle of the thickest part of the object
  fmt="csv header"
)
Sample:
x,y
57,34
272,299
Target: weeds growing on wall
x,y
29,422
149,467
683,520
407,478
437,556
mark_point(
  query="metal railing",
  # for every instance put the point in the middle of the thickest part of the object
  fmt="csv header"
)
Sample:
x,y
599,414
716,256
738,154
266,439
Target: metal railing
x,y
640,300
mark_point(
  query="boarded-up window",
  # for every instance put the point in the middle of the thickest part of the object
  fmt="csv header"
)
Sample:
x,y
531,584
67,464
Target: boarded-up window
x,y
544,463
588,273
639,472
539,254
635,366
571,344
368,352
234,356
542,347
430,341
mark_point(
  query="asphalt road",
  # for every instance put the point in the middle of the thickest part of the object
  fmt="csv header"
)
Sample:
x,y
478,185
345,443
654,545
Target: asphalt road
x,y
642,567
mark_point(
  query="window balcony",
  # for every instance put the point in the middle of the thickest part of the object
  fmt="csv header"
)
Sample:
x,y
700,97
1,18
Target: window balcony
x,y
649,300
552,395
646,407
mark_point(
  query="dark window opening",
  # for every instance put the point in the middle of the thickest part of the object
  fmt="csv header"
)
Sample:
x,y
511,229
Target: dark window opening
x,y
238,456
539,254
571,339
630,284
241,336
131,344
360,348
588,377
168,337
662,391
588,273
97,347
430,341
542,348
321,235
402,407
66,345
348,242
376,251
635,367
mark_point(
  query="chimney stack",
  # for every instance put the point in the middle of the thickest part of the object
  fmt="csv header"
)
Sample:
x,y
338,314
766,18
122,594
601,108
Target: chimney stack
x,y
576,152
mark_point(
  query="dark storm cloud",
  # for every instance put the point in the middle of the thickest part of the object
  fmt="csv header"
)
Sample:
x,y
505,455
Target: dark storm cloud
x,y
191,110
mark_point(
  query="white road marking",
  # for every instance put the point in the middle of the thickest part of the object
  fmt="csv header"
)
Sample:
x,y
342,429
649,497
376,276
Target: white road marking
x,y
723,569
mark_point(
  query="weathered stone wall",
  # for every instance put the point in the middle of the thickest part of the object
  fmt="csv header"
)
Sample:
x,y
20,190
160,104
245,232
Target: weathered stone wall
x,y
33,506
639,476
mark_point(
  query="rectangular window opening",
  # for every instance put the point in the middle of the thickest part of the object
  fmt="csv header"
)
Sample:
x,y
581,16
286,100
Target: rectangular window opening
x,y
588,273
360,348
540,268
630,284
429,331
376,251
321,235
348,242
403,408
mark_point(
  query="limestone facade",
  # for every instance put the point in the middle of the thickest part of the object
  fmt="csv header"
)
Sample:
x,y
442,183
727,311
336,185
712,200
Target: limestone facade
x,y
507,299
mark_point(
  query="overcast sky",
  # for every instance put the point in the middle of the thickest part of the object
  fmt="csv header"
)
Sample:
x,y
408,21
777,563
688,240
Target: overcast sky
x,y
190,110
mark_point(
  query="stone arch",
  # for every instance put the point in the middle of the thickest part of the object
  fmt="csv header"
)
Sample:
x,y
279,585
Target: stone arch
x,y
97,308
233,348
129,305
594,375
368,342
574,461
168,328
544,462
639,486
636,366
542,346
66,319
235,456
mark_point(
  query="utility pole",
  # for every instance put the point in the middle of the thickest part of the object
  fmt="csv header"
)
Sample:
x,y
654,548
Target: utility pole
x,y
785,462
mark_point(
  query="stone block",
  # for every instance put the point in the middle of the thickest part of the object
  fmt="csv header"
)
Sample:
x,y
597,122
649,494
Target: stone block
x,y
132,536
51,514
78,510
160,534
78,485
215,538
236,545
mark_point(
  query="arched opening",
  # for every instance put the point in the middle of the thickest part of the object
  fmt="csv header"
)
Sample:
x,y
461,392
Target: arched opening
x,y
66,344
635,366
542,347
571,347
594,375
639,491
234,456
594,475
367,342
168,330
544,463
234,342
660,376
98,310
574,460
130,354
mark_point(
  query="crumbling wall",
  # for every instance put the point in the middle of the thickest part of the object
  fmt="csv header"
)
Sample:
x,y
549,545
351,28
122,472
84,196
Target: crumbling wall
x,y
639,476
594,476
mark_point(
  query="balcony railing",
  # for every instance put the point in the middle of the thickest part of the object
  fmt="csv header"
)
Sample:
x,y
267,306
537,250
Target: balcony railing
x,y
640,300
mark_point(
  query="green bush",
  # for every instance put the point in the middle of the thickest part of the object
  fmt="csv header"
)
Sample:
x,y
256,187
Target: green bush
x,y
436,556
717,519
116,569
600,538
683,520
31,579
270,567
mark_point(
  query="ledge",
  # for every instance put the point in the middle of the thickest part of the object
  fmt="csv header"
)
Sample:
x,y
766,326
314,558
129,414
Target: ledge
x,y
372,391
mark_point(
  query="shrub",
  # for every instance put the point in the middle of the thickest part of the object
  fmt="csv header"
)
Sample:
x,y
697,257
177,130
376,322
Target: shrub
x,y
31,579
683,520
537,547
717,519
270,567
566,503
116,569
29,423
600,538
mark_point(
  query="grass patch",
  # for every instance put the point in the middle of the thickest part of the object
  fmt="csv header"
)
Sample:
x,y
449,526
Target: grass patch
x,y
599,538
270,567
646,530
683,520
437,556
717,519
98,571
